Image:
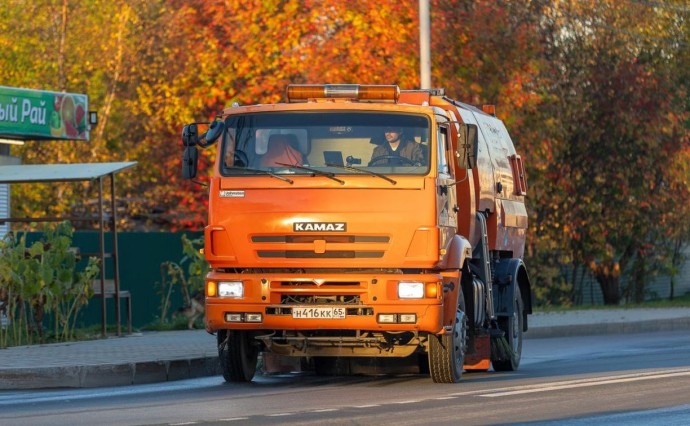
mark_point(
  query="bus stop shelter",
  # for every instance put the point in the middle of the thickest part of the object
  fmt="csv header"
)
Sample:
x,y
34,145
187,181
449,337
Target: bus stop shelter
x,y
96,173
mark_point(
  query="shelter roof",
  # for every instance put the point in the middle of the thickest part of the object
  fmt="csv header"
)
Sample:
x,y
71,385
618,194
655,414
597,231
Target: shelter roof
x,y
26,173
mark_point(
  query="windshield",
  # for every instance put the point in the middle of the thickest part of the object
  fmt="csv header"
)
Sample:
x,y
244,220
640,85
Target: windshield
x,y
312,143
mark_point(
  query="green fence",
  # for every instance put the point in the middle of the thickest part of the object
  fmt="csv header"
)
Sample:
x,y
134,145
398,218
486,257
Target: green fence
x,y
140,257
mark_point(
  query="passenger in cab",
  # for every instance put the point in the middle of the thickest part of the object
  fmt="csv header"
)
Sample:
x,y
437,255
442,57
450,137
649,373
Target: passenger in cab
x,y
282,149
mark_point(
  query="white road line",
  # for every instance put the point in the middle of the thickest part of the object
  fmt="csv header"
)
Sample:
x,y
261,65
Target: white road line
x,y
280,415
407,402
568,382
233,419
546,387
324,410
366,406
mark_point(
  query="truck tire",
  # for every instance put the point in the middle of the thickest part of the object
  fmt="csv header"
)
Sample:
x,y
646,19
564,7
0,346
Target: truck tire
x,y
512,326
447,352
238,356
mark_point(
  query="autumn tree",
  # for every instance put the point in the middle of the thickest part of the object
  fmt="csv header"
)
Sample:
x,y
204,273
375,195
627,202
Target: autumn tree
x,y
594,93
617,134
63,46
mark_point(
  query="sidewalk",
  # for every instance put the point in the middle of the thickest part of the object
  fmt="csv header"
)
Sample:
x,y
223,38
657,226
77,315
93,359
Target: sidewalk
x,y
138,358
152,357
607,321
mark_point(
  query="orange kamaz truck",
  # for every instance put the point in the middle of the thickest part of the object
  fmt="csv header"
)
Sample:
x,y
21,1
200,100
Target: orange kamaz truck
x,y
364,223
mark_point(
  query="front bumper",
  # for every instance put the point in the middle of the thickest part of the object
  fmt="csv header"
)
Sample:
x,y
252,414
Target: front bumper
x,y
370,302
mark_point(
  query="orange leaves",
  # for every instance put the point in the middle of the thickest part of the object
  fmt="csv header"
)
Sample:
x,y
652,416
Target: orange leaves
x,y
588,96
363,42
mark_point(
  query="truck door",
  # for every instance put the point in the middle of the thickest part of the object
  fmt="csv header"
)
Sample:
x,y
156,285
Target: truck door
x,y
446,203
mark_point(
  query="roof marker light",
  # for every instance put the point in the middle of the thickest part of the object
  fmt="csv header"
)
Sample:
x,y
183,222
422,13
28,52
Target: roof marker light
x,y
361,92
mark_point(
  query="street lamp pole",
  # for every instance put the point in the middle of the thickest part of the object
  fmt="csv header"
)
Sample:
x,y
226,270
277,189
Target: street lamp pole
x,y
424,45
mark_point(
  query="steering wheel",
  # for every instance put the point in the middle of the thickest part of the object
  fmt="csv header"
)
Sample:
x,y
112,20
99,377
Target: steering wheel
x,y
405,160
240,159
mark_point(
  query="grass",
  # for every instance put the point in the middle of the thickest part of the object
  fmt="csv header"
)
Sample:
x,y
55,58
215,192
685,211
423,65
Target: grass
x,y
678,302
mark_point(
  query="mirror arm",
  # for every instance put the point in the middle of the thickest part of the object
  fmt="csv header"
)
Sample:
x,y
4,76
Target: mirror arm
x,y
191,137
203,143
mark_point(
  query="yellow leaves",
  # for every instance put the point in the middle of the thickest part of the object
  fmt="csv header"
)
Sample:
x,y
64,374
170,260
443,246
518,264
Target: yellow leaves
x,y
170,62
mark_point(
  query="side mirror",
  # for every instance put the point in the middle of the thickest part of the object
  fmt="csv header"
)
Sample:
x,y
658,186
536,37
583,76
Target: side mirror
x,y
468,144
190,135
189,162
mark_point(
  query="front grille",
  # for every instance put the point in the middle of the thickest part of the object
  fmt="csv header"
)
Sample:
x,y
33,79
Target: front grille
x,y
323,246
350,311
319,299
307,284
295,239
306,254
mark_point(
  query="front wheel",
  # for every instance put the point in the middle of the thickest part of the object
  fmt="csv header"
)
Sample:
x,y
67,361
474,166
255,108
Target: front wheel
x,y
238,355
512,326
447,352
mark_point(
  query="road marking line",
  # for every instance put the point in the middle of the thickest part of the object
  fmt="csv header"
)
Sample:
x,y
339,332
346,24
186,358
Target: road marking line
x,y
366,406
233,419
588,380
585,383
280,414
324,410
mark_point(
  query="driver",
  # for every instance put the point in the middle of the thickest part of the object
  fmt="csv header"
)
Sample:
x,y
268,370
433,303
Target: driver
x,y
396,146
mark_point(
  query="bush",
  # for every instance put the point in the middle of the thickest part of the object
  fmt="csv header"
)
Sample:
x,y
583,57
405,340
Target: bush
x,y
188,276
40,279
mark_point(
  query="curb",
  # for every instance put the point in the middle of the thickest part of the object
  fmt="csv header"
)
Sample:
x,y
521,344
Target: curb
x,y
91,376
672,324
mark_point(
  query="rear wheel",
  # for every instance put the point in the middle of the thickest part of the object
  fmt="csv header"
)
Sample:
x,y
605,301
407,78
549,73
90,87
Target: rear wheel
x,y
512,326
447,352
238,355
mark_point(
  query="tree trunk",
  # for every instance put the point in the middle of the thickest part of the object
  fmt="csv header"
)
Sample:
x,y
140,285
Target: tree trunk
x,y
607,274
610,289
639,279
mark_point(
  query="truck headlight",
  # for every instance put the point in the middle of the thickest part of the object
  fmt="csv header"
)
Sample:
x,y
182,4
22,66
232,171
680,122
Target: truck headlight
x,y
230,289
410,290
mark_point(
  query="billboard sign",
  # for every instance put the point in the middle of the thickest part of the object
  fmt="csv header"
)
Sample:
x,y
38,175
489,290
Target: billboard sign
x,y
37,114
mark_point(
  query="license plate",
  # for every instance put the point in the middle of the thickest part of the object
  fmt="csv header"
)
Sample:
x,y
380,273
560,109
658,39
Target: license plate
x,y
318,313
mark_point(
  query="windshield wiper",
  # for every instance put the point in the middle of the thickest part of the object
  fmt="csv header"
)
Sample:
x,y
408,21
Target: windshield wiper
x,y
313,171
368,172
266,172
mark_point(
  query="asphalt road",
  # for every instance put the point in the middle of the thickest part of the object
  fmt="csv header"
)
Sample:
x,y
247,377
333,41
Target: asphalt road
x,y
621,379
